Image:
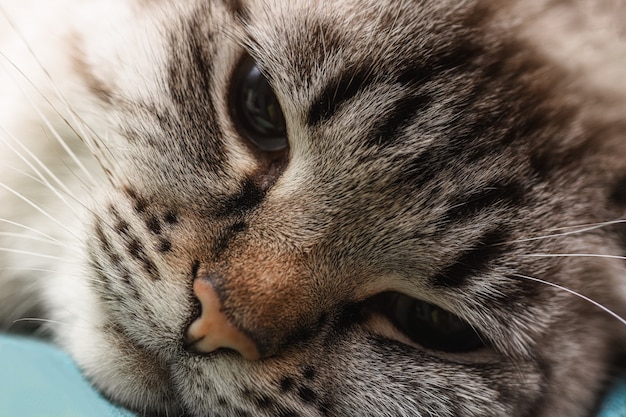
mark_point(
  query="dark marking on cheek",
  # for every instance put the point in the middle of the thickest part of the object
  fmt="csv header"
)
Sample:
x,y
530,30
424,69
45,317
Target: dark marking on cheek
x,y
540,163
473,261
517,294
459,57
422,169
404,111
618,194
286,384
154,225
165,246
307,395
122,227
130,191
533,125
501,192
287,413
96,267
126,279
139,203
325,408
129,283
322,319
115,258
194,269
309,372
171,217
264,402
151,269
227,235
105,245
548,161
248,198
136,250
413,76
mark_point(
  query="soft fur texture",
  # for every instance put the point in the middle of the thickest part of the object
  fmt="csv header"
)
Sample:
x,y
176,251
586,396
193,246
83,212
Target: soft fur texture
x,y
465,153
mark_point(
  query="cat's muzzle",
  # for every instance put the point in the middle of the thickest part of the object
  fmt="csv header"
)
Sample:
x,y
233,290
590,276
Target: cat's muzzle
x,y
212,330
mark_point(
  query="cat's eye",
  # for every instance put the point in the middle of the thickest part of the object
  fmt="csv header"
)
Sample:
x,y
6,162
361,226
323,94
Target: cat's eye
x,y
430,326
255,108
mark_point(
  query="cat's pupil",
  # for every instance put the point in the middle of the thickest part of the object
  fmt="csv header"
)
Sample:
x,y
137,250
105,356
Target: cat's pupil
x,y
256,110
431,326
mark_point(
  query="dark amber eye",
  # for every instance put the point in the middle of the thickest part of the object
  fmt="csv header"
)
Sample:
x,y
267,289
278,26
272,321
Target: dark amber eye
x,y
255,109
430,326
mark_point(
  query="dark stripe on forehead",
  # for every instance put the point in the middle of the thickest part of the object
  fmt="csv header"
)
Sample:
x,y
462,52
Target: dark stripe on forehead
x,y
193,123
474,261
405,72
481,131
548,159
404,111
421,169
190,67
338,91
418,99
501,192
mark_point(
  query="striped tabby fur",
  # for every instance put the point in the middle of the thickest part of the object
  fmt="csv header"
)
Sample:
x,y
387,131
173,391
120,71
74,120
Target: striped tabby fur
x,y
467,153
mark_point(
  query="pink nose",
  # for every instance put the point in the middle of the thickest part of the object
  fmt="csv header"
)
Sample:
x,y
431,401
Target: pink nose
x,y
212,330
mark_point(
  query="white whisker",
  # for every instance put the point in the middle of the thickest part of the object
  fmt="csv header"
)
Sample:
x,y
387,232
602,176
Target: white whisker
x,y
37,254
37,180
38,208
36,319
41,165
46,121
577,294
78,122
582,229
590,226
27,268
44,183
37,238
23,226
572,255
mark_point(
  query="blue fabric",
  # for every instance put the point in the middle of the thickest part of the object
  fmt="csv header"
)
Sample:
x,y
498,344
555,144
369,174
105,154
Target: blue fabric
x,y
39,380
615,402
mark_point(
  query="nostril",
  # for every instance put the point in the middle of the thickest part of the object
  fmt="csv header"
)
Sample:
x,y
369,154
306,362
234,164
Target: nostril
x,y
212,330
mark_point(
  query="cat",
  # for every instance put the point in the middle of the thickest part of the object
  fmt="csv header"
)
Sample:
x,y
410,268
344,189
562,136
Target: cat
x,y
319,208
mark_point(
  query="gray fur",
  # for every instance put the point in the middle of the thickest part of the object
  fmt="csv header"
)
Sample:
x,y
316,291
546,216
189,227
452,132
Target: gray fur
x,y
441,149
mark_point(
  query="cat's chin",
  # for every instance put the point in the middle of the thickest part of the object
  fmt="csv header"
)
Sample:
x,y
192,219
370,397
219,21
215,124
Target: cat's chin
x,y
126,373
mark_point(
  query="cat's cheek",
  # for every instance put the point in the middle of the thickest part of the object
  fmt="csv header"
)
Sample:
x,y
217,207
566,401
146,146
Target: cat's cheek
x,y
122,367
119,368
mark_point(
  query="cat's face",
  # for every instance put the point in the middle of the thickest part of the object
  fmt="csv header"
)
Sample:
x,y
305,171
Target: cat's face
x,y
373,249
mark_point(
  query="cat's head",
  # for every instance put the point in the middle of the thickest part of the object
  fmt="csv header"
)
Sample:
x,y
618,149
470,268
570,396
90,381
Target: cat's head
x,y
346,208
